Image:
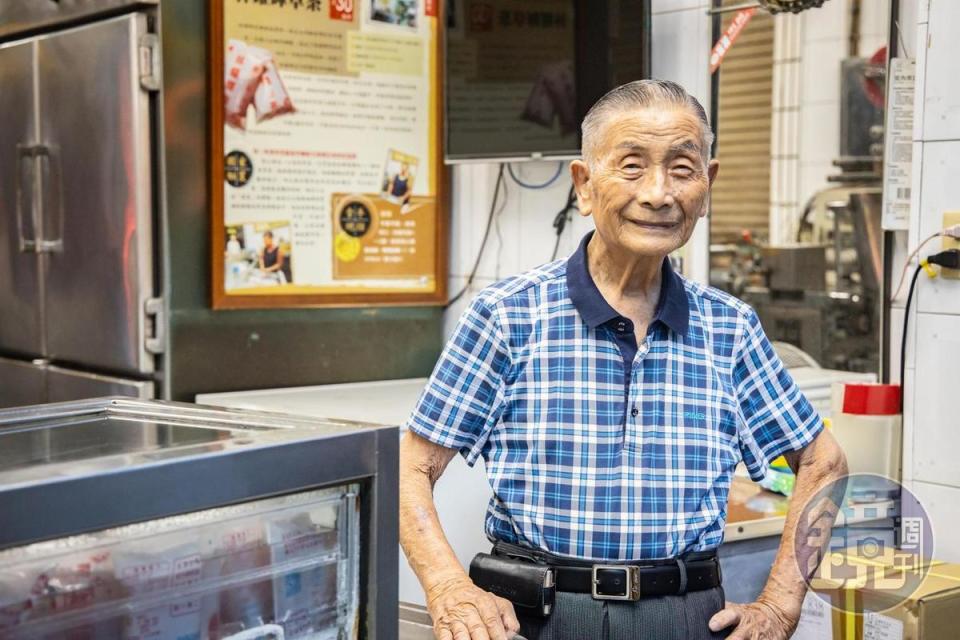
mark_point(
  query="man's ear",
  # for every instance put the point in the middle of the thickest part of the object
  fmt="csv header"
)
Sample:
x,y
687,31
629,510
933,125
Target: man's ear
x,y
713,167
712,170
580,172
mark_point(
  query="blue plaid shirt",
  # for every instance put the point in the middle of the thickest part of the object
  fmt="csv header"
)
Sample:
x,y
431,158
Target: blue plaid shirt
x,y
599,448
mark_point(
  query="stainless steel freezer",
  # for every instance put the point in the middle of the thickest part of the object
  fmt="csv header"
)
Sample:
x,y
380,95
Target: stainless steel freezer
x,y
135,519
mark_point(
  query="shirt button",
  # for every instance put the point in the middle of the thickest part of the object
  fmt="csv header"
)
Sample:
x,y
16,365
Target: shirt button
x,y
621,327
634,412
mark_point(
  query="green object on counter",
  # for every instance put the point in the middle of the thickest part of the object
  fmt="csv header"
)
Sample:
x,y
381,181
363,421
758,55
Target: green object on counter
x,y
779,480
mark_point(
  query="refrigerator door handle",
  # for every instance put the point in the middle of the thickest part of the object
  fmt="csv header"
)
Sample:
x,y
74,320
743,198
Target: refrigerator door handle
x,y
51,199
27,212
155,343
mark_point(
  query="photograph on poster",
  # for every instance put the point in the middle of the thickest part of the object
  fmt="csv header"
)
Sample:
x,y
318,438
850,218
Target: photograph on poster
x,y
399,174
258,254
402,13
251,77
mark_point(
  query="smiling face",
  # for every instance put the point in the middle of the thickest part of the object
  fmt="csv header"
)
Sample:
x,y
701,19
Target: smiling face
x,y
646,180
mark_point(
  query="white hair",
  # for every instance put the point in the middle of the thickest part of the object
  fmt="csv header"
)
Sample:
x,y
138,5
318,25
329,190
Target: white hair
x,y
635,95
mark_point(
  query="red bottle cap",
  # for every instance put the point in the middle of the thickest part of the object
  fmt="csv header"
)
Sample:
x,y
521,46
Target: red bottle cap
x,y
871,399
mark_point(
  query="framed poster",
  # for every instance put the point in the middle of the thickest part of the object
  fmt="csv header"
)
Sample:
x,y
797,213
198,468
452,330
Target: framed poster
x,y
327,180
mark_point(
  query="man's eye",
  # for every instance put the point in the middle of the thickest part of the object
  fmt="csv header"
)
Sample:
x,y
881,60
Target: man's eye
x,y
632,166
683,170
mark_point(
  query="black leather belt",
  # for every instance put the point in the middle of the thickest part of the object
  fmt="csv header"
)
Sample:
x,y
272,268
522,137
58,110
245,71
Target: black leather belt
x,y
624,581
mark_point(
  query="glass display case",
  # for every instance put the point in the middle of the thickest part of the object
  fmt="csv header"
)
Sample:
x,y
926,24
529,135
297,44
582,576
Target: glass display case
x,y
136,520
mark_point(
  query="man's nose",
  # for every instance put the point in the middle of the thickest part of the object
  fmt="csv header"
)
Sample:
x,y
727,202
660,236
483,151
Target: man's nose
x,y
654,192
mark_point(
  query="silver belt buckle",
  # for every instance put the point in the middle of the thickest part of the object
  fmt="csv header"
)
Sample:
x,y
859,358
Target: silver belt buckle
x,y
631,582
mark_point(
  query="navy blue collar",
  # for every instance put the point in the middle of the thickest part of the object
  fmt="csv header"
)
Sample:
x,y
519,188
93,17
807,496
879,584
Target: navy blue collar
x,y
672,307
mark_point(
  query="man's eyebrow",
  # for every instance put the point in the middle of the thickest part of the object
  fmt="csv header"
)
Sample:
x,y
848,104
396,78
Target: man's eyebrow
x,y
630,145
686,145
690,146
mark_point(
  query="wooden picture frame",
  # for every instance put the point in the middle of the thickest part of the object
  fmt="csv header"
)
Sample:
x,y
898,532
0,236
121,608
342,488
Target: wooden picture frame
x,y
439,172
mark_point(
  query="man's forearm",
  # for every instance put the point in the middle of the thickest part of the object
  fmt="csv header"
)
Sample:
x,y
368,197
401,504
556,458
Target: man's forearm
x,y
821,464
459,609
429,553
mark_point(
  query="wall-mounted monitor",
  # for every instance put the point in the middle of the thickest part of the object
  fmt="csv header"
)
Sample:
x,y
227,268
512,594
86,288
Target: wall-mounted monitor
x,y
521,74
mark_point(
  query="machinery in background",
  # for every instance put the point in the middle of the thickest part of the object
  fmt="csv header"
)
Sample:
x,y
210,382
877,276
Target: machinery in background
x,y
821,294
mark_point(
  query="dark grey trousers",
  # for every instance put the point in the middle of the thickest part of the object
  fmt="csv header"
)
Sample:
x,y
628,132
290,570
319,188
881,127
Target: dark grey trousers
x,y
577,616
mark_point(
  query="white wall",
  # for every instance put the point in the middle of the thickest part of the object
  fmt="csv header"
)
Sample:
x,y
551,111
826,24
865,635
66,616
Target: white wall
x,y
932,425
680,52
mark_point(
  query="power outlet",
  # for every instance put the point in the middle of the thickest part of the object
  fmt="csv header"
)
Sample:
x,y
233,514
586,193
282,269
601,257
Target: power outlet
x,y
950,218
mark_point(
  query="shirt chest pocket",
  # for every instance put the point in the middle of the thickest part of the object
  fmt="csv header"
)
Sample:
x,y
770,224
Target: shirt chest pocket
x,y
689,429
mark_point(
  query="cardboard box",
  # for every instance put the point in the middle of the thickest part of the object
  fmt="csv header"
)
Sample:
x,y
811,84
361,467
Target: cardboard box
x,y
884,601
930,612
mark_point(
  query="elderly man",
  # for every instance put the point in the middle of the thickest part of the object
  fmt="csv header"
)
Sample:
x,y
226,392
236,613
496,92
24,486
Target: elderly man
x,y
611,400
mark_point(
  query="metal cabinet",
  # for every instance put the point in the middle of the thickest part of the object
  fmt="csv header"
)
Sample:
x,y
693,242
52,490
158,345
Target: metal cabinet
x,y
76,202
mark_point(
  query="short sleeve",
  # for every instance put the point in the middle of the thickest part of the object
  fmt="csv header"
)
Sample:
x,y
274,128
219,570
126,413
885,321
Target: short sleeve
x,y
775,416
464,398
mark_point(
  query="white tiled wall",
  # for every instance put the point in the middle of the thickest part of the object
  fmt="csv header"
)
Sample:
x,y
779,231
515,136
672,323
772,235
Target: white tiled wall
x,y
680,52
808,51
941,119
940,503
931,420
935,425
938,193
522,236
785,171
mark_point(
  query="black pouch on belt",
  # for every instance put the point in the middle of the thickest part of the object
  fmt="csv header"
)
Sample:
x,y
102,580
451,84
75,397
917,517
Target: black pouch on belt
x,y
530,587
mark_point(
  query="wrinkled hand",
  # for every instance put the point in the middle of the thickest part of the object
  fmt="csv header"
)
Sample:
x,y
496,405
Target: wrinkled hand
x,y
760,620
462,611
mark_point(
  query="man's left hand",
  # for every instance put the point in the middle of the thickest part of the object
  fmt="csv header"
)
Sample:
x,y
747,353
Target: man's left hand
x,y
760,620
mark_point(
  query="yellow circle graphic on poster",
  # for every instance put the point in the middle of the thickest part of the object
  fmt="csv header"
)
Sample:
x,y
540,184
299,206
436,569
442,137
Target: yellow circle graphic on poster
x,y
346,247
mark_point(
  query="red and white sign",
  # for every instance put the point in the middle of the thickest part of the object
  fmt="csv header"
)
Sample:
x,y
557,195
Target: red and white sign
x,y
727,39
342,10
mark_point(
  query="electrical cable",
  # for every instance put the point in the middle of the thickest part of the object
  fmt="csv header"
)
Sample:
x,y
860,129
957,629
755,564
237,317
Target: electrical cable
x,y
906,265
560,220
903,338
486,235
526,185
496,226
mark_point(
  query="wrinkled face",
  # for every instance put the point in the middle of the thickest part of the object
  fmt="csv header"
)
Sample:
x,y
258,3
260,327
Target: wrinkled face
x,y
647,181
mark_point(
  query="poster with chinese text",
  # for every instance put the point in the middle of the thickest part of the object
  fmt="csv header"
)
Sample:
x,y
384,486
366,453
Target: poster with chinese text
x,y
326,134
